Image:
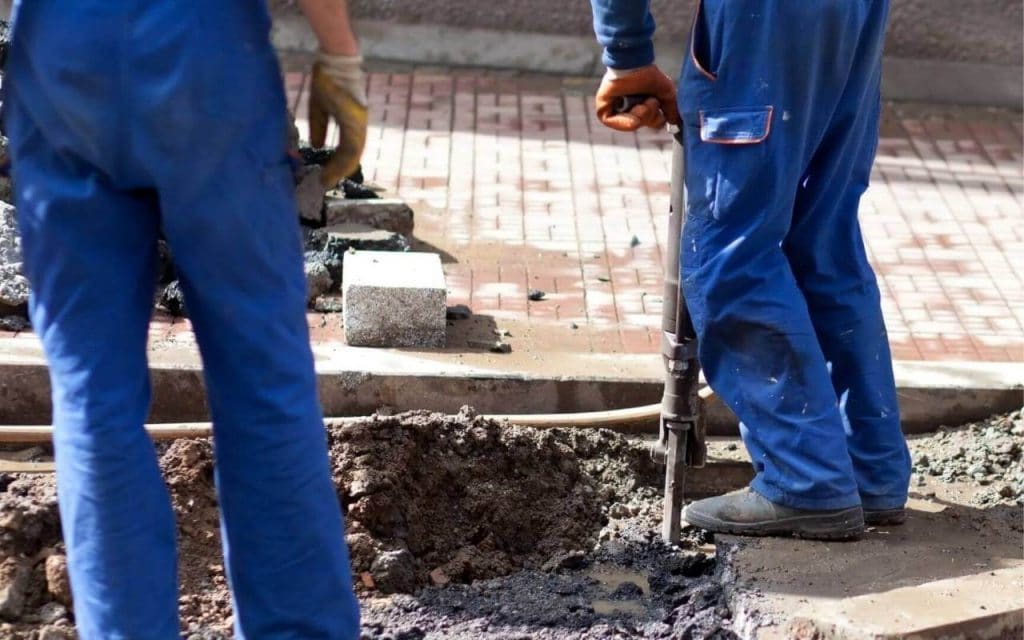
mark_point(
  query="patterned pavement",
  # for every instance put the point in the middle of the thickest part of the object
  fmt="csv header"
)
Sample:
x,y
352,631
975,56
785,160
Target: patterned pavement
x,y
519,188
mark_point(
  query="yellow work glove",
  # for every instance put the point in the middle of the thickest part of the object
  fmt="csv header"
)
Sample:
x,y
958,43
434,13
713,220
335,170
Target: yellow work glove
x,y
338,91
656,91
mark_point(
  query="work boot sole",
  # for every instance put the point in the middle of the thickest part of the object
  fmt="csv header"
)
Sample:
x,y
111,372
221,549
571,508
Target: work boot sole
x,y
884,517
847,524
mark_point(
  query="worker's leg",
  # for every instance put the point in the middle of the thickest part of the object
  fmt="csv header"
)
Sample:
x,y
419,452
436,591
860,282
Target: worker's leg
x,y
752,96
231,221
826,252
90,253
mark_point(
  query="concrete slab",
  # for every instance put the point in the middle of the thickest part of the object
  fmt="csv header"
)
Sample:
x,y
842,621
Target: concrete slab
x,y
384,213
394,299
952,571
357,381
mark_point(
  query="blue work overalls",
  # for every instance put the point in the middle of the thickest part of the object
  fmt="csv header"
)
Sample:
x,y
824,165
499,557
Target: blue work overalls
x,y
125,119
780,104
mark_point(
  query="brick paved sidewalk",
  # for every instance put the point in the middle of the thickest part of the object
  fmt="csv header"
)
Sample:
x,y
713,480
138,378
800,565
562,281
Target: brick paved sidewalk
x,y
518,186
516,183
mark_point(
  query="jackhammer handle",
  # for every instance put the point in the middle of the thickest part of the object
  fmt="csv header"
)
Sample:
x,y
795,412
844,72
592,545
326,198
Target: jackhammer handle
x,y
625,103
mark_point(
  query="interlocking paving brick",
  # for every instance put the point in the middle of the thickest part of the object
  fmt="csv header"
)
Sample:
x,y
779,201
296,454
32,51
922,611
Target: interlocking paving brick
x,y
513,179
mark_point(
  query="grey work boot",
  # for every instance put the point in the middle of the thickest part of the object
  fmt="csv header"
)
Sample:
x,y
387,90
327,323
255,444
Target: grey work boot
x,y
884,517
747,513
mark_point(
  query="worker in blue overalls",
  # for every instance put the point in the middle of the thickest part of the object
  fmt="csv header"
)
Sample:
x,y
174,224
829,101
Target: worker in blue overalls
x,y
779,105
127,119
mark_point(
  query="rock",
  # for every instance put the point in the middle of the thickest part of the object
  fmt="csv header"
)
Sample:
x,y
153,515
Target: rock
x,y
309,194
459,312
14,323
385,213
57,582
318,279
357,191
14,290
394,571
10,241
173,300
52,612
439,578
329,304
14,581
627,591
5,154
536,295
6,189
394,299
55,632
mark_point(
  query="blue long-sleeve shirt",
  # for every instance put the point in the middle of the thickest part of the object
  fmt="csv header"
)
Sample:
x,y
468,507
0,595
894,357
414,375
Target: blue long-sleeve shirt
x,y
624,28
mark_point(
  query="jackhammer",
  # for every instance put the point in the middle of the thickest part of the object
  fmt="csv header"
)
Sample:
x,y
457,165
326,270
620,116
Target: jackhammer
x,y
681,441
682,431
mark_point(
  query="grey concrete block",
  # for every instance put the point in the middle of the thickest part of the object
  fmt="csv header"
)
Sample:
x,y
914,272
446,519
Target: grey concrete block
x,y
394,299
309,194
385,213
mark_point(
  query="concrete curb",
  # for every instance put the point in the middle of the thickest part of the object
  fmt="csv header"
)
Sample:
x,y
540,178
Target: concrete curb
x,y
357,381
932,81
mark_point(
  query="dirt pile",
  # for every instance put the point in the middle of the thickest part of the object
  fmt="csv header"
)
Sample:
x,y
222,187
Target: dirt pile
x,y
34,593
429,500
435,499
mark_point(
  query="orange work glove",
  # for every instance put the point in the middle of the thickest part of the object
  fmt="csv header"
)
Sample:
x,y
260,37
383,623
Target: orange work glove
x,y
337,92
658,108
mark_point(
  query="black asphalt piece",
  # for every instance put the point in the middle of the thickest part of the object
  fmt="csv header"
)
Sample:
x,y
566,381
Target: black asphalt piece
x,y
536,295
172,300
459,312
357,191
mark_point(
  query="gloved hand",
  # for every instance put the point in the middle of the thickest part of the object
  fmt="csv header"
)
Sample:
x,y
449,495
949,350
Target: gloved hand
x,y
650,82
338,91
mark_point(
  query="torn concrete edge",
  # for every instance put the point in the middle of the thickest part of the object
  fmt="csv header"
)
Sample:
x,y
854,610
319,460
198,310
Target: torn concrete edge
x,y
904,79
931,393
976,613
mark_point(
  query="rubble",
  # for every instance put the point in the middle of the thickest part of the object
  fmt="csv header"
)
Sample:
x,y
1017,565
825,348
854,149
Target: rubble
x,y
172,299
57,582
14,291
990,453
15,574
10,242
318,280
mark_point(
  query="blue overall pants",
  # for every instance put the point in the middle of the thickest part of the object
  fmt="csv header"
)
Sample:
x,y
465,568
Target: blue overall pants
x,y
780,106
125,119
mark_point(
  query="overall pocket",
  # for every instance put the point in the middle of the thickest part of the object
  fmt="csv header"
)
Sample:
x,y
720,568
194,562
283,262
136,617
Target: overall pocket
x,y
706,41
743,125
